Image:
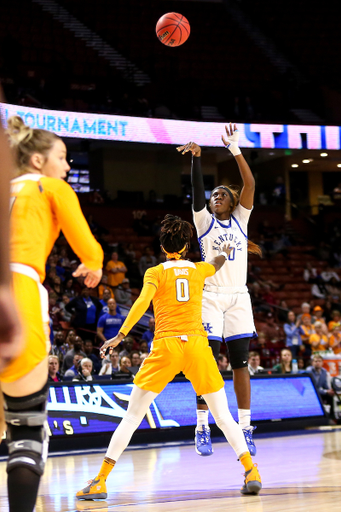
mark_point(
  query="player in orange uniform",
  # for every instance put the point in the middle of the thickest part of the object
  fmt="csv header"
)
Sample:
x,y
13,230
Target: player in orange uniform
x,y
180,344
41,205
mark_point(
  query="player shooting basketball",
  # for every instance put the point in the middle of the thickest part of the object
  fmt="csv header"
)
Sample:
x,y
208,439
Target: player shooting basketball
x,y
226,311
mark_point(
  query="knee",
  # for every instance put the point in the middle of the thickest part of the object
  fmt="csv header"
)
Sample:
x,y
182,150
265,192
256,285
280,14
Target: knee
x,y
239,354
27,431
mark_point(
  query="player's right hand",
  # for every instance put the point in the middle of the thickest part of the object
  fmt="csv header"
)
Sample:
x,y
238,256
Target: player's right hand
x,y
190,146
112,343
92,278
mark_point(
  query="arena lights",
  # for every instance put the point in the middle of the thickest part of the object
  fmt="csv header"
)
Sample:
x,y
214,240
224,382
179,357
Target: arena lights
x,y
338,165
306,161
294,165
323,154
170,131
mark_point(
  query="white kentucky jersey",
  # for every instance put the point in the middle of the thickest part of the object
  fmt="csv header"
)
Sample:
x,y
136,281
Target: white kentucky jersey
x,y
213,234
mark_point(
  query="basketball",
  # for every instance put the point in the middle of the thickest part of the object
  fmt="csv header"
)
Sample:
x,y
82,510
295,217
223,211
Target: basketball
x,y
173,29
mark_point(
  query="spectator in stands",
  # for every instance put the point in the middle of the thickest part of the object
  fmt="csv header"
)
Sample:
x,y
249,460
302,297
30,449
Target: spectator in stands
x,y
54,311
57,286
127,343
223,363
147,261
329,274
322,379
52,265
103,286
70,339
293,339
301,364
73,370
273,332
110,323
335,339
254,363
318,340
64,260
124,371
59,347
53,375
69,287
116,270
323,251
123,293
285,365
282,311
305,308
135,358
106,295
318,312
70,354
143,356
66,315
86,310
85,370
307,331
148,335
319,289
111,366
336,319
143,347
89,352
310,273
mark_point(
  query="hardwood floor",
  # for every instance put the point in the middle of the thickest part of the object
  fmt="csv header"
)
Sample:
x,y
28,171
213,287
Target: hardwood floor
x,y
300,473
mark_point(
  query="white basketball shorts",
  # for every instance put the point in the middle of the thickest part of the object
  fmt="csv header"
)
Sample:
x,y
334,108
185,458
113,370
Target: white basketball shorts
x,y
227,316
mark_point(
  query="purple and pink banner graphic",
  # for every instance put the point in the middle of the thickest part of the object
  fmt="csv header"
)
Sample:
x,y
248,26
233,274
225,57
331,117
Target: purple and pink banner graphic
x,y
170,131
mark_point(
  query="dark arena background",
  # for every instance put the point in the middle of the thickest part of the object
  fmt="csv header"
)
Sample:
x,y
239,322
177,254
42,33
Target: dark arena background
x,y
95,73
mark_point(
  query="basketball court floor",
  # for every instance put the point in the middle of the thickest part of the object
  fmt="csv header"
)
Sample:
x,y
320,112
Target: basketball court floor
x,y
300,473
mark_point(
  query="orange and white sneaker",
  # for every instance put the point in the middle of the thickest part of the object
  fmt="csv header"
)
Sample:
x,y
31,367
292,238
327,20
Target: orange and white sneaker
x,y
252,482
95,490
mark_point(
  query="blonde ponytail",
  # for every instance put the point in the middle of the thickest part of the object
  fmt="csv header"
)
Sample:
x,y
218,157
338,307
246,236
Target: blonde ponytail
x,y
25,141
18,131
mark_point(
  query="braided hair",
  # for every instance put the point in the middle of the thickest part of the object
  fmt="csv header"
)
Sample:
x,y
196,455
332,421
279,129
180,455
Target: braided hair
x,y
175,233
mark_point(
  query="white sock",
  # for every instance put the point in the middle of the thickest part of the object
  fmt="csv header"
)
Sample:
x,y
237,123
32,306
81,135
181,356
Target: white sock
x,y
139,402
202,418
217,403
244,418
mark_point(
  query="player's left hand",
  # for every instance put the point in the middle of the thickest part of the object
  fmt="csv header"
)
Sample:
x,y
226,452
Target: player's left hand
x,y
112,343
92,278
190,146
232,135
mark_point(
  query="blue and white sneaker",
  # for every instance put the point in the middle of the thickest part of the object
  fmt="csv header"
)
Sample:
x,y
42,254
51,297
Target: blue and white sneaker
x,y
248,432
203,445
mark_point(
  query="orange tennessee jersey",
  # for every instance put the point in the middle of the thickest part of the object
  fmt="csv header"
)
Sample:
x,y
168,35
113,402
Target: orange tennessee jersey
x,y
40,208
178,298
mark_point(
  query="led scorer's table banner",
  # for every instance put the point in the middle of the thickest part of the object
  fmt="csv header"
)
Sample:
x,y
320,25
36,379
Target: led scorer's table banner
x,y
169,131
99,407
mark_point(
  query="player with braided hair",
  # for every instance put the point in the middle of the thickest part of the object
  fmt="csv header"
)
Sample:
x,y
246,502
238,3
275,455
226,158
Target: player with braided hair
x,y
180,344
227,311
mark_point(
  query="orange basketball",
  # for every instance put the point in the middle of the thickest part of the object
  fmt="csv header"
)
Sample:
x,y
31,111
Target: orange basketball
x,y
173,29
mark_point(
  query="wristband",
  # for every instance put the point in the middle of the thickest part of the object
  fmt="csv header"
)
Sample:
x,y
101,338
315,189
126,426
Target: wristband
x,y
234,149
223,253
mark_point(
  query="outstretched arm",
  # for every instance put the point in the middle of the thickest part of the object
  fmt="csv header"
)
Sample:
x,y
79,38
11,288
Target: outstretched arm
x,y
198,188
231,143
138,309
218,261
